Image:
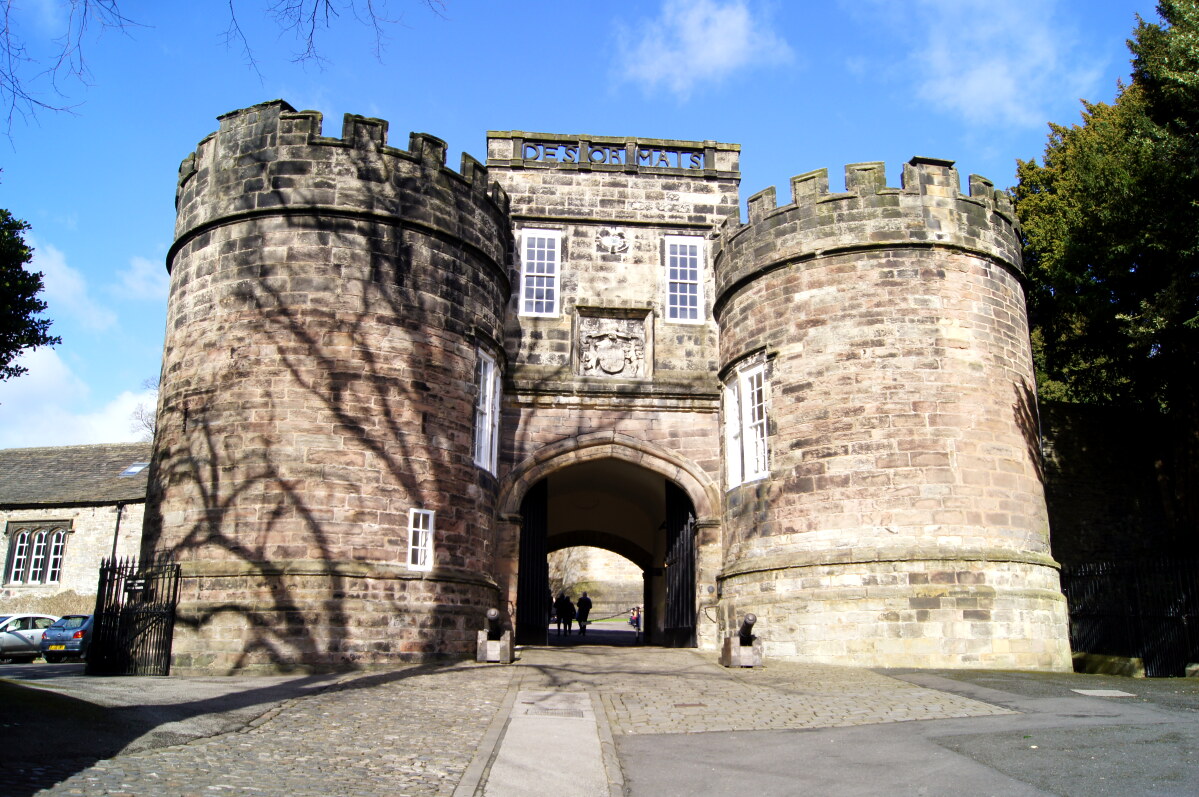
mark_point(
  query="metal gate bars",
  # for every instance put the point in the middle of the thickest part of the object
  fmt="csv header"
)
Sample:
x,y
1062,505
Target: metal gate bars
x,y
1145,609
134,617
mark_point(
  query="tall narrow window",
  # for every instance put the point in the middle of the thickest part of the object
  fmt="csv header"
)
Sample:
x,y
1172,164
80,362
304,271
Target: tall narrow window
x,y
745,426
487,412
732,435
19,557
684,286
37,558
420,539
753,423
541,260
58,543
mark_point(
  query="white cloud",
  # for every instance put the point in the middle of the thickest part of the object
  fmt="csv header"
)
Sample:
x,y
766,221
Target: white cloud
x,y
145,279
1004,63
66,290
699,41
49,406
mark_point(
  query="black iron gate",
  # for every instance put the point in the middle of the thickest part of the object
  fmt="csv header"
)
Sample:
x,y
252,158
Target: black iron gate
x,y
533,597
679,626
134,618
1145,609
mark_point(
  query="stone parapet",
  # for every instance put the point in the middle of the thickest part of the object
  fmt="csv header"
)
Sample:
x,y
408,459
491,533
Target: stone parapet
x,y
927,211
270,159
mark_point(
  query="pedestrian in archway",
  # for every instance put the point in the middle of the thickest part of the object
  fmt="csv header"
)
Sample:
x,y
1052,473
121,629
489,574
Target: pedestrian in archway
x,y
566,613
584,610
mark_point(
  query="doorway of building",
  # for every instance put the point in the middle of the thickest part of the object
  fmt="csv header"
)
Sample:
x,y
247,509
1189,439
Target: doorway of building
x,y
621,507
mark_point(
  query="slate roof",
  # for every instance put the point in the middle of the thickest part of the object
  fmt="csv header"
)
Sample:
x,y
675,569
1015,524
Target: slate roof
x,y
71,475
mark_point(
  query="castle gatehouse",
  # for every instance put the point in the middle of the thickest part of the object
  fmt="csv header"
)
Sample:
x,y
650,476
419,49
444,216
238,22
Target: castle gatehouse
x,y
390,389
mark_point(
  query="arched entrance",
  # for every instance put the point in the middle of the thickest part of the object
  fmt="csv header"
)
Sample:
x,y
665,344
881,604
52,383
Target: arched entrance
x,y
618,505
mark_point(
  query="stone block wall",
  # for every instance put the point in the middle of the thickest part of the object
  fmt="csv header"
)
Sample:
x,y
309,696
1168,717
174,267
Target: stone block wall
x,y
329,300
902,427
91,539
613,213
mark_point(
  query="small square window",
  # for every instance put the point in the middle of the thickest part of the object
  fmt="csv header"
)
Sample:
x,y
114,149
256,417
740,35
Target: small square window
x,y
420,539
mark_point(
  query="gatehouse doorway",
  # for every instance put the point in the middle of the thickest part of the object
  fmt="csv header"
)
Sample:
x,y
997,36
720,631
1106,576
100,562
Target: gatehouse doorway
x,y
617,506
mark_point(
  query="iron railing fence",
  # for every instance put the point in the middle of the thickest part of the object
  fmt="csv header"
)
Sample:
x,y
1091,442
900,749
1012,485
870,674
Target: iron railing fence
x,y
134,617
1147,609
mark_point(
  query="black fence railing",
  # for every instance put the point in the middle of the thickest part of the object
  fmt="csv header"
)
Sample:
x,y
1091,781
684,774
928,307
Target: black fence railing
x,y
134,618
1146,609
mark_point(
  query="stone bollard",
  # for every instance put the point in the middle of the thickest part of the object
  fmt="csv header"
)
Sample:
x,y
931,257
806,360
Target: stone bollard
x,y
495,642
742,649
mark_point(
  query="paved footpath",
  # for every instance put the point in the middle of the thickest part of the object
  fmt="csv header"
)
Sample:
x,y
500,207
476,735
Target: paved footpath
x,y
607,721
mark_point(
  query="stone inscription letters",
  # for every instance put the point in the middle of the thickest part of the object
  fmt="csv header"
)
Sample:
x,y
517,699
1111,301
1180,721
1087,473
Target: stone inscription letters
x,y
656,157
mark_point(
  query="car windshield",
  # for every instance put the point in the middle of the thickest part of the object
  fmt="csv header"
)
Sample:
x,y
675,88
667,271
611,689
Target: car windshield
x,y
4,618
71,622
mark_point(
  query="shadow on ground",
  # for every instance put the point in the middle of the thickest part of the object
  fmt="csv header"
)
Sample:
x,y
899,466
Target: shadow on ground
x,y
56,722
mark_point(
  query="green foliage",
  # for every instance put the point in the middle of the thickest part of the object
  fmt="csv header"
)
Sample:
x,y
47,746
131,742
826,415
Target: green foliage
x,y
1111,221
1111,226
20,327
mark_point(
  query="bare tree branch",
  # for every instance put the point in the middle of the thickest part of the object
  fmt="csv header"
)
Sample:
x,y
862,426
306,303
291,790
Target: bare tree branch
x,y
21,73
31,81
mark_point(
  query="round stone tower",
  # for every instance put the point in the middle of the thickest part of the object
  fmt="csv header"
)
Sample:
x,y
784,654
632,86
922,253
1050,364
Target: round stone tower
x,y
333,302
897,517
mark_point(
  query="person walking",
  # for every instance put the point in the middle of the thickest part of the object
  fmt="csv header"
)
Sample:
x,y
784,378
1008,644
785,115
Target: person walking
x,y
583,610
566,613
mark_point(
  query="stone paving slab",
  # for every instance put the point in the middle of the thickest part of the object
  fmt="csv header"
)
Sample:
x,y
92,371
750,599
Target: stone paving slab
x,y
685,691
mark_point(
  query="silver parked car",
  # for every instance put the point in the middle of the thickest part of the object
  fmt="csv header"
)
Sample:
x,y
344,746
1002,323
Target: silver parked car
x,y
21,635
67,637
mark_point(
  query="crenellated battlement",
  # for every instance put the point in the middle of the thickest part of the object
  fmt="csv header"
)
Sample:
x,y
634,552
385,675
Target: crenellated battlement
x,y
927,210
270,156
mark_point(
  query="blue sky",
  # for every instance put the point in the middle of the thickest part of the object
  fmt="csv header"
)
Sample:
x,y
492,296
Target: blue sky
x,y
799,84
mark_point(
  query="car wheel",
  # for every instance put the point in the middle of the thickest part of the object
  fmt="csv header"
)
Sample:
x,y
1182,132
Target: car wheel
x,y
53,658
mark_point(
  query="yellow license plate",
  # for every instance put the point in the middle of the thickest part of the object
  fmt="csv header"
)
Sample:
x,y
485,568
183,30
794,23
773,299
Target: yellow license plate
x,y
58,647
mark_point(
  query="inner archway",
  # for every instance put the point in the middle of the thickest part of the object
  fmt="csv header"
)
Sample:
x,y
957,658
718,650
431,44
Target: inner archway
x,y
619,506
612,585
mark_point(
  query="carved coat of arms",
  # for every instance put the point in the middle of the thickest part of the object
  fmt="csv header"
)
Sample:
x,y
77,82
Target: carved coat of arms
x,y
612,343
612,354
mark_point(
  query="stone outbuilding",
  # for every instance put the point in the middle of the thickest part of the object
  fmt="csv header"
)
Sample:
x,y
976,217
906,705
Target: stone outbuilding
x,y
62,511
390,389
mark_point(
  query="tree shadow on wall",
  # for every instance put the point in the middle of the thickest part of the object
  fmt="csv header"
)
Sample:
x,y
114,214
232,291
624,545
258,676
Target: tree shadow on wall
x,y
236,443
1028,421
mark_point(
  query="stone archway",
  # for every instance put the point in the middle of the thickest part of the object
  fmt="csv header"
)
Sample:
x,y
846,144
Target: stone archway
x,y
692,479
613,492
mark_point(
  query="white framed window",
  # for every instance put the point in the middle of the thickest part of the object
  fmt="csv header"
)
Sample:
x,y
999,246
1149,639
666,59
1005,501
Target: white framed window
x,y
684,258
58,544
37,558
487,412
420,539
35,553
747,457
540,268
18,557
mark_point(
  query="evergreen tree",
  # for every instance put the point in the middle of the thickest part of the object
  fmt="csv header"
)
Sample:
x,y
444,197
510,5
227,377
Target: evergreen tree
x,y
1111,225
20,326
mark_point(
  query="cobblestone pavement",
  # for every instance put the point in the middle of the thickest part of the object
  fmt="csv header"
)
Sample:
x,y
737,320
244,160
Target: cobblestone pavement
x,y
653,690
408,732
415,731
